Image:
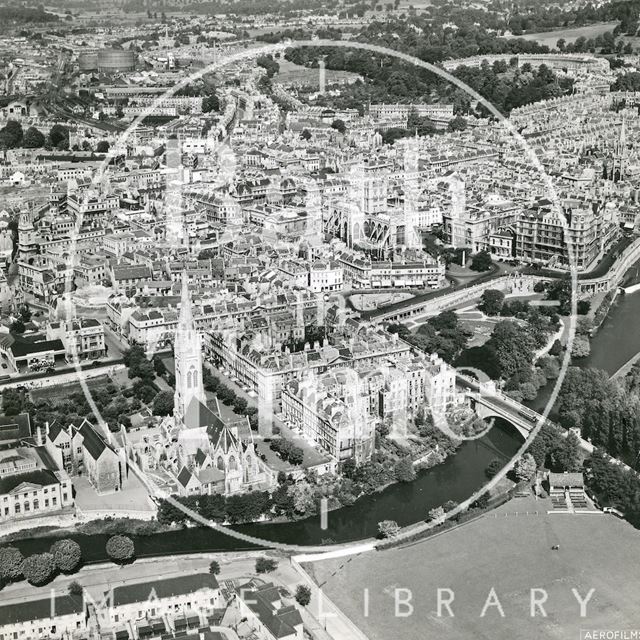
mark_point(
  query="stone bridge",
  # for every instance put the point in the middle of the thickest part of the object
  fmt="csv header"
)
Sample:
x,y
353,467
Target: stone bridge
x,y
488,402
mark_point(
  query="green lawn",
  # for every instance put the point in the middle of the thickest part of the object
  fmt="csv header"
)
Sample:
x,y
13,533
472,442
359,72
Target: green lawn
x,y
570,34
58,392
511,553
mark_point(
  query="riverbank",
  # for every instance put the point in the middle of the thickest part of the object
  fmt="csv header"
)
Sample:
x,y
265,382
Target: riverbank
x,y
458,477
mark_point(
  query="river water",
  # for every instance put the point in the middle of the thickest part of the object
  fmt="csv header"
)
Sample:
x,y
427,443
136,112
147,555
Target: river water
x,y
616,341
455,479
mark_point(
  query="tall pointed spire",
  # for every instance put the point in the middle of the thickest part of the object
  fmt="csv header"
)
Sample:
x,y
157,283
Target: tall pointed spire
x,y
188,358
622,143
185,321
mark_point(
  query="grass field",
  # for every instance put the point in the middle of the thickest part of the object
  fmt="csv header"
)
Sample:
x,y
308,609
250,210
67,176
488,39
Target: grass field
x,y
303,76
571,34
511,553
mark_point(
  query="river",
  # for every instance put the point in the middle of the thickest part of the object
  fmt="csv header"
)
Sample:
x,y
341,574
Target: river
x,y
455,479
616,341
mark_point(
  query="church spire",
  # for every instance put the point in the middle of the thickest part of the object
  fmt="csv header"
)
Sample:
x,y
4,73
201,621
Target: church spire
x,y
188,358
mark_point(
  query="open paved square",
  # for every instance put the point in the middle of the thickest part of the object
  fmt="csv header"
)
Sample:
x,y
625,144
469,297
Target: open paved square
x,y
511,553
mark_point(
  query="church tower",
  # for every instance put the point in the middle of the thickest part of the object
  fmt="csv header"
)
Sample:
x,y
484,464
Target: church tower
x,y
173,201
27,246
188,359
618,167
355,205
411,176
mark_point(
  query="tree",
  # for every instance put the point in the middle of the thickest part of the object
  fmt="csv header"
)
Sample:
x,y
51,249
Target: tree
x,y
163,404
457,124
404,471
550,367
11,135
481,261
138,364
580,347
566,456
491,302
525,467
583,307
120,548
75,589
437,514
306,134
210,103
25,312
12,402
266,565
303,595
267,62
67,555
214,567
349,468
103,146
158,365
17,326
388,528
304,497
556,348
240,405
528,390
296,456
33,138
39,568
512,348
59,136
494,467
10,564
339,125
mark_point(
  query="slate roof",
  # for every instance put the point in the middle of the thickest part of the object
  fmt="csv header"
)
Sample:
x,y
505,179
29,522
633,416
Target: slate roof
x,y
280,622
184,476
25,611
199,415
93,442
170,587
40,477
22,348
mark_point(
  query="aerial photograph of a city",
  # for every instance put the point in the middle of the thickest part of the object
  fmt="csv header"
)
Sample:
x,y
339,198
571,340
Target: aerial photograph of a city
x,y
319,319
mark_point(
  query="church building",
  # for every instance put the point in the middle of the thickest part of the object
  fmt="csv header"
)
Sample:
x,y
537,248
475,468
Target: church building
x,y
213,455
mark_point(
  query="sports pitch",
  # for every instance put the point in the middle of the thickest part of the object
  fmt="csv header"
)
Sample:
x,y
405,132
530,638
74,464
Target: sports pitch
x,y
511,553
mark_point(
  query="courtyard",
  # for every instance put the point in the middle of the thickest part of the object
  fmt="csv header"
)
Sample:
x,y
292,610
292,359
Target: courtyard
x,y
508,549
132,499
